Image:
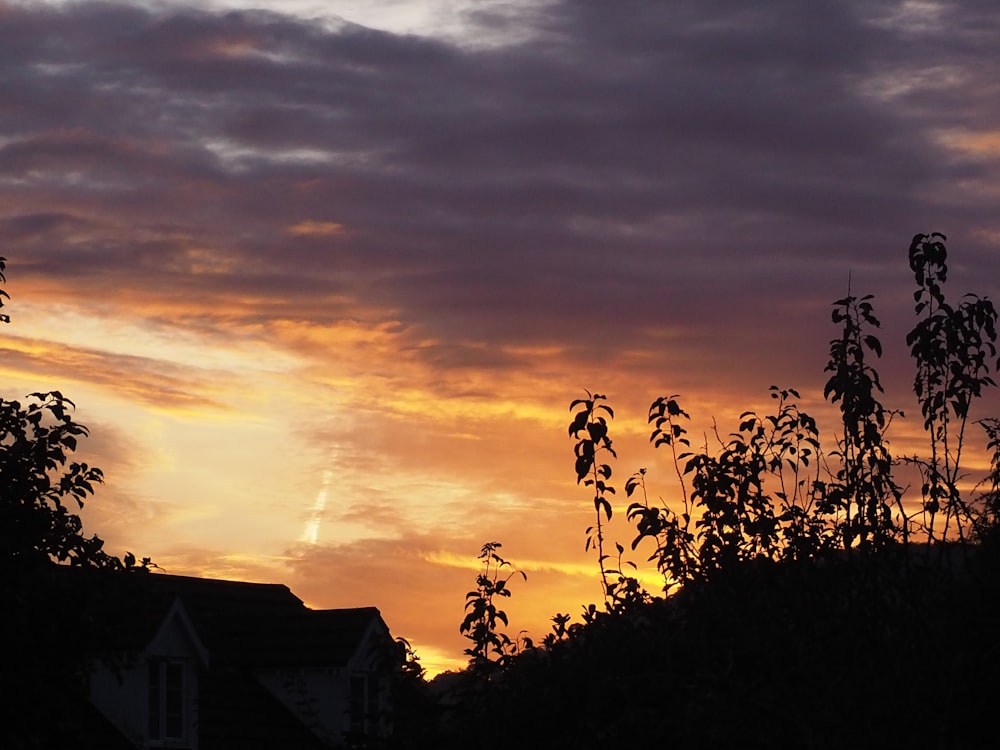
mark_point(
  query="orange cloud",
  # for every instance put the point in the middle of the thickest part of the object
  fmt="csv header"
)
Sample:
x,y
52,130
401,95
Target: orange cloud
x,y
131,378
982,142
316,229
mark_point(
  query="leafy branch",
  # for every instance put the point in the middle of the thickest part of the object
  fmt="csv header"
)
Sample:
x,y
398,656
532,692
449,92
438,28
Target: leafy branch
x,y
590,430
955,350
490,648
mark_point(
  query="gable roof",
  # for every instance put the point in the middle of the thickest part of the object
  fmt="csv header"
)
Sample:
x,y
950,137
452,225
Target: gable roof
x,y
266,625
177,618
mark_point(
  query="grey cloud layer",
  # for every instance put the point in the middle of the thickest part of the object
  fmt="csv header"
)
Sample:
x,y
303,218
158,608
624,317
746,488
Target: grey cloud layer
x,y
621,164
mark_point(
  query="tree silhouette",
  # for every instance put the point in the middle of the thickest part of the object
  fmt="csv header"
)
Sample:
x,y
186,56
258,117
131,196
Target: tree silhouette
x,y
49,624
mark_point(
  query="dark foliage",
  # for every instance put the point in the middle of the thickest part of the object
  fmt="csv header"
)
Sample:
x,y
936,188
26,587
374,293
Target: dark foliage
x,y
806,608
491,648
878,651
49,620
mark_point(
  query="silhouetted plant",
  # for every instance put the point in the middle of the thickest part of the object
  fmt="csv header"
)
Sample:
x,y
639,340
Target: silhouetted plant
x,y
953,348
49,618
35,438
676,554
491,648
410,667
40,484
794,459
590,430
560,630
754,500
987,524
770,622
4,318
862,492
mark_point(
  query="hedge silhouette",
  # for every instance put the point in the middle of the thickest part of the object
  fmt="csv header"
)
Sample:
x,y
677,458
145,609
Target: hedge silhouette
x,y
804,604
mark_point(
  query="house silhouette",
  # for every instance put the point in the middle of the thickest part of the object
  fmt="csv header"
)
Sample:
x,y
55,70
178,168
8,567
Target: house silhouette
x,y
209,664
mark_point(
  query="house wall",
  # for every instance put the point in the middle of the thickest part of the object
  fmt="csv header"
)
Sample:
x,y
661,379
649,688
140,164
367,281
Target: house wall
x,y
321,696
316,695
122,699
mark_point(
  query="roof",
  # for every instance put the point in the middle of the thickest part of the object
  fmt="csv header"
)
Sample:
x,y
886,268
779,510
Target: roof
x,y
217,596
260,625
319,638
265,624
138,603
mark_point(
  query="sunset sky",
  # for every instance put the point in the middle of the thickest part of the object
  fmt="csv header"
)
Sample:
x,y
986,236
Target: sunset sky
x,y
323,277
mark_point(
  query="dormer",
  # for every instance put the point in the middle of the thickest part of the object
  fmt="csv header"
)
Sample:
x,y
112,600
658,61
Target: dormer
x,y
153,696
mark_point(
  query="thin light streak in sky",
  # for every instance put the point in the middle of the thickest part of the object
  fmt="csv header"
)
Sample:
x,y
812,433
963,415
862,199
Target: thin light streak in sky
x,y
311,533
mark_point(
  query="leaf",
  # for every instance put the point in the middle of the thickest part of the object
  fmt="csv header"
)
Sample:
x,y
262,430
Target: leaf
x,y
578,424
607,508
874,344
597,430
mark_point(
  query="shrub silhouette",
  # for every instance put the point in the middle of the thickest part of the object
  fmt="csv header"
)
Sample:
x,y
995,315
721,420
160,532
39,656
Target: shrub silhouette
x,y
806,607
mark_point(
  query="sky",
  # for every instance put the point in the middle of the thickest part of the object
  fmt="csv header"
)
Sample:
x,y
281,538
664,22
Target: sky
x,y
323,278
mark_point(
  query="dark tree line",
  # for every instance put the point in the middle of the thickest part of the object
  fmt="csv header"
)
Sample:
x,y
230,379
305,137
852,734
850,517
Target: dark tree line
x,y
805,603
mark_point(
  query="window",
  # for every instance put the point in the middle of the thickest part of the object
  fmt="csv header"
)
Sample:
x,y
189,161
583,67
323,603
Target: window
x,y
166,700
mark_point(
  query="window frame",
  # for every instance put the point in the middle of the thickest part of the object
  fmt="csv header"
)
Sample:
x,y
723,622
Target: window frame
x,y
167,694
